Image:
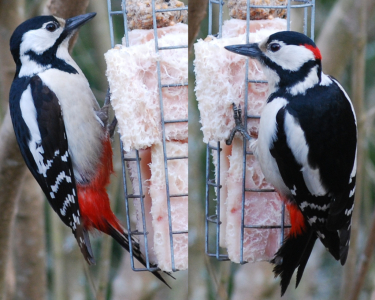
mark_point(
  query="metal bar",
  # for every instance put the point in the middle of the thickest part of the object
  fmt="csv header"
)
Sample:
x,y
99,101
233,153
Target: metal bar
x,y
109,4
220,18
176,121
218,201
142,208
124,178
119,12
172,47
174,85
260,190
163,137
125,23
206,228
177,157
131,159
135,196
281,6
266,226
312,19
171,9
210,17
179,195
288,15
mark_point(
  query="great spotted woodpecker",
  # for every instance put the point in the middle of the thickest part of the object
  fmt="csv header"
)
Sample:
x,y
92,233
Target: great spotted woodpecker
x,y
62,132
307,148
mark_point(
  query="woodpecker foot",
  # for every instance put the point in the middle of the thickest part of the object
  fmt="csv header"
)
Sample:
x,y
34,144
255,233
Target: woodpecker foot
x,y
237,113
112,127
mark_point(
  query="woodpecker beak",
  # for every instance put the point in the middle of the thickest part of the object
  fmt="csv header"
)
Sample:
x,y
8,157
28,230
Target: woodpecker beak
x,y
74,23
251,50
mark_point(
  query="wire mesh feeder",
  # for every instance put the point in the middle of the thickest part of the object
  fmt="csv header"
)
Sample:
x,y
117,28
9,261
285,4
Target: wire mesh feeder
x,y
212,238
141,196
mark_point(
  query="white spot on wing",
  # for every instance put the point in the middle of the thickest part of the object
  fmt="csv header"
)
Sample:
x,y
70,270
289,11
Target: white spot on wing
x,y
305,204
59,179
65,156
29,115
325,80
294,190
69,199
348,212
352,192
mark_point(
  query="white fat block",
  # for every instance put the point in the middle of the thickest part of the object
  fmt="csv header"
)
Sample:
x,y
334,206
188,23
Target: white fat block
x,y
178,184
220,76
220,81
132,76
260,209
145,160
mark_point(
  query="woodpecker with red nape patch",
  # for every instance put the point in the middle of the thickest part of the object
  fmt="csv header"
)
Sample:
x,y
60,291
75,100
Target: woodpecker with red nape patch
x,y
307,148
63,134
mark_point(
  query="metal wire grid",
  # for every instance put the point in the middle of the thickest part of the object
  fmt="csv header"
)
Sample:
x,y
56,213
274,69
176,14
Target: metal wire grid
x,y
210,169
144,233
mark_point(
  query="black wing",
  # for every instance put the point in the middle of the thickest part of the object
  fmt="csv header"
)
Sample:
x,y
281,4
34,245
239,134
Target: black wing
x,y
327,120
41,136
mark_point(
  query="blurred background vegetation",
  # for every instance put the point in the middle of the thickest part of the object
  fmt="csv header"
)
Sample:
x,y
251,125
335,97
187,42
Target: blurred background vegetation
x,y
43,261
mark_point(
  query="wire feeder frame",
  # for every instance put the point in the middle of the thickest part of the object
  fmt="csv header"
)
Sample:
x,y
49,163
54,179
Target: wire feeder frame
x,y
128,196
214,238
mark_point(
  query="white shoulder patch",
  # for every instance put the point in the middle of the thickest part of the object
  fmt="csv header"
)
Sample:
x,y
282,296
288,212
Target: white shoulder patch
x,y
297,143
325,80
28,112
308,82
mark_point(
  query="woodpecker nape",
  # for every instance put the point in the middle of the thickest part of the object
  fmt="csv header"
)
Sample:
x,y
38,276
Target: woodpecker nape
x,y
62,132
306,147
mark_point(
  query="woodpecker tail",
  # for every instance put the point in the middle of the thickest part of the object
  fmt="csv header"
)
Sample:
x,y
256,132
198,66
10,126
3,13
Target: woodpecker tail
x,y
122,238
84,244
293,254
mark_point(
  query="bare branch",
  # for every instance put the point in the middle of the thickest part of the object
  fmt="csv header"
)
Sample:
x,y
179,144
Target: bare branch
x,y
29,243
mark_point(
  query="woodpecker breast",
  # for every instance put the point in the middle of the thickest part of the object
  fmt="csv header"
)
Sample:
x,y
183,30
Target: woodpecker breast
x,y
83,130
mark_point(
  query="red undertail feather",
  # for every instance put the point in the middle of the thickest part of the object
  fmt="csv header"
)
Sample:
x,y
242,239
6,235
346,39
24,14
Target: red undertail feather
x,y
93,198
297,220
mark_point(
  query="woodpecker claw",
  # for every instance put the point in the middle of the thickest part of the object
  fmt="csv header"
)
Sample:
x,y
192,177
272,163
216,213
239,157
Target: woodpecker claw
x,y
112,127
237,114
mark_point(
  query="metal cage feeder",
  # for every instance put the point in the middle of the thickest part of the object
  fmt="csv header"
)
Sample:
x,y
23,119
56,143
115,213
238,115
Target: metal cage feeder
x,y
212,181
129,197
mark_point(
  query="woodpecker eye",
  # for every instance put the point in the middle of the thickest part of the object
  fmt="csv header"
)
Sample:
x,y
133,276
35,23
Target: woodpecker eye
x,y
275,47
51,27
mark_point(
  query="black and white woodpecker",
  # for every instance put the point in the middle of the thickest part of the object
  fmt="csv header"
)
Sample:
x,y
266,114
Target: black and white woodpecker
x,y
63,134
307,148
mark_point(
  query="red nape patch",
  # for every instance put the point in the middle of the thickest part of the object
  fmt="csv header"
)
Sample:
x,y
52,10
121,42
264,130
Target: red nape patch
x,y
297,220
314,50
93,198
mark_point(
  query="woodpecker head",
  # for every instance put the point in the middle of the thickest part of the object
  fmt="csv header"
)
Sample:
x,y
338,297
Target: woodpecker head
x,y
36,43
288,58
